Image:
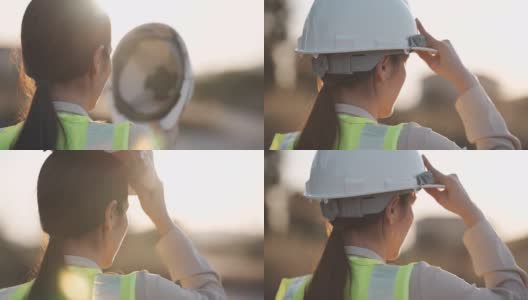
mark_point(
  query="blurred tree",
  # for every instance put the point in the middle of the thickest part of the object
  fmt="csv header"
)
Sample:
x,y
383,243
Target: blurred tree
x,y
437,91
240,89
16,266
271,177
275,31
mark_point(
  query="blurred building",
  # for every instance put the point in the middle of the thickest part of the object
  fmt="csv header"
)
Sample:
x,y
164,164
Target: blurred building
x,y
276,15
16,263
438,233
438,91
287,210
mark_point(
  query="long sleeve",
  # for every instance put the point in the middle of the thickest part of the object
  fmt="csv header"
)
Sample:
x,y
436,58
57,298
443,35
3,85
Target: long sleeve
x,y
197,280
491,259
483,123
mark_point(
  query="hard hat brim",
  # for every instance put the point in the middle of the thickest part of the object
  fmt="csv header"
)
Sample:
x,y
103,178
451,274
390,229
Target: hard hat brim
x,y
423,49
433,186
319,198
366,51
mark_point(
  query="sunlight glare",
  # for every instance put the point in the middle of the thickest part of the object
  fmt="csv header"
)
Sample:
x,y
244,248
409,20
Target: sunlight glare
x,y
73,285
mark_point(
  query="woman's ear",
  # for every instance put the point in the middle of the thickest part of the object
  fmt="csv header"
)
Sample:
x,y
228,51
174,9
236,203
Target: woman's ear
x,y
393,210
320,84
100,60
384,69
111,216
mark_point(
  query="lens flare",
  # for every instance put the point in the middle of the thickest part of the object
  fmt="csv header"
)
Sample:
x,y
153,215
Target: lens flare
x,y
73,285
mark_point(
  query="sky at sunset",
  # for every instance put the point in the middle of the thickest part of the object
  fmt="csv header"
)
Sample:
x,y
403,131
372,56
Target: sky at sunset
x,y
217,38
207,191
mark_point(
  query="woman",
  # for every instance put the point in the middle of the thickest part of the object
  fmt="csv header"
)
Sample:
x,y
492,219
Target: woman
x,y
359,50
66,48
82,201
368,197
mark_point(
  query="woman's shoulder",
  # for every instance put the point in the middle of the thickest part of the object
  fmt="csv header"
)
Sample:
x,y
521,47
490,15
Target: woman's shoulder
x,y
423,269
290,286
414,136
129,135
8,135
7,293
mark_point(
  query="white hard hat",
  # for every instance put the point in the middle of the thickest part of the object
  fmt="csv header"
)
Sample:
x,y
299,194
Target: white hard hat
x,y
349,174
359,183
153,78
364,30
347,26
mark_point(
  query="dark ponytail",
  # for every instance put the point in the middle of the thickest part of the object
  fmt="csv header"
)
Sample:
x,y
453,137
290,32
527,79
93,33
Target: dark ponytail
x,y
41,128
73,191
46,285
322,127
330,279
59,39
321,130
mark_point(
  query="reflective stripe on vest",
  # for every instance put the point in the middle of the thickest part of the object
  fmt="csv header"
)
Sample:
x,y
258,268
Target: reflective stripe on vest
x,y
292,288
92,281
285,141
8,135
355,133
81,134
371,280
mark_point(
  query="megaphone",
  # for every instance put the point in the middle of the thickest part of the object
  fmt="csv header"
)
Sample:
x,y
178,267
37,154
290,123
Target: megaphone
x,y
152,79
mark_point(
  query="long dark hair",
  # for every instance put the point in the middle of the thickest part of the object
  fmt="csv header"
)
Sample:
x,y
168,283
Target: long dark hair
x,y
333,271
59,40
73,191
321,130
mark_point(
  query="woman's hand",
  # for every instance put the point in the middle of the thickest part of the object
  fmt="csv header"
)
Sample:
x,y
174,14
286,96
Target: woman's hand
x,y
446,62
143,178
454,197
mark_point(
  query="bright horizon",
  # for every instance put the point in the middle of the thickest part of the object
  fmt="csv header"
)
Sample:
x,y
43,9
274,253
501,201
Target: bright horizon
x,y
207,192
488,35
212,32
500,195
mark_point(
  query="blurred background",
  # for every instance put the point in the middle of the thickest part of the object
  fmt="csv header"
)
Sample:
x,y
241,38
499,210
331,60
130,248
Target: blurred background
x,y
224,39
486,34
216,201
295,231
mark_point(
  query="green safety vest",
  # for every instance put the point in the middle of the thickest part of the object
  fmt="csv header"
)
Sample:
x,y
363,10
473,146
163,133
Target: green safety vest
x,y
355,133
371,280
79,279
82,134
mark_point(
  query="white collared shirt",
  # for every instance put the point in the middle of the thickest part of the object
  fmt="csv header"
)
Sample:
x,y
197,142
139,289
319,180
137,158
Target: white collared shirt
x,y
363,252
69,107
354,111
79,261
